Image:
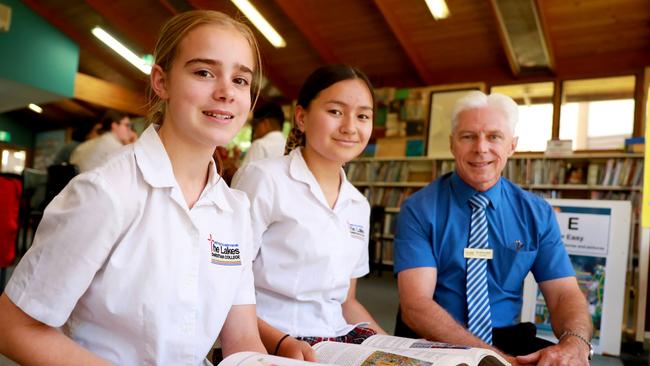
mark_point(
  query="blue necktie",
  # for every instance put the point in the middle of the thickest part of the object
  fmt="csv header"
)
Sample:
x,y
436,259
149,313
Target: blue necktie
x,y
478,302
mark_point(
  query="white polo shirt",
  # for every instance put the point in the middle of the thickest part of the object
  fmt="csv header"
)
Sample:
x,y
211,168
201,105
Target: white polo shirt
x,y
270,145
93,153
133,274
308,252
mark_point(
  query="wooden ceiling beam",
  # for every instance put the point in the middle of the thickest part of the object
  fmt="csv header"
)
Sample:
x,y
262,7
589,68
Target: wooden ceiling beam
x,y
108,95
82,40
503,37
544,29
169,7
602,65
75,107
405,42
296,10
144,40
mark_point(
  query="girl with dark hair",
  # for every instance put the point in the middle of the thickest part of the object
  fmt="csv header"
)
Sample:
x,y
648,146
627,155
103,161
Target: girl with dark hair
x,y
310,224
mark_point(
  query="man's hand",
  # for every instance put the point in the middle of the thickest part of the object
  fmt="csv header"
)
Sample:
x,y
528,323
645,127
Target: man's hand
x,y
299,350
571,351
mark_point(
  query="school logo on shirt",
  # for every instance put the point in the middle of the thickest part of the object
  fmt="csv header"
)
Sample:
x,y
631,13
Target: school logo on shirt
x,y
224,254
356,231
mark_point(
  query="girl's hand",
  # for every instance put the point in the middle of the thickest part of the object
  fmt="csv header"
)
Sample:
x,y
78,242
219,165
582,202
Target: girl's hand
x,y
299,350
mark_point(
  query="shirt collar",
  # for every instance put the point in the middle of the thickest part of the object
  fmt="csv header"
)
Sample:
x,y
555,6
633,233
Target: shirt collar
x,y
152,159
299,171
463,191
156,168
216,190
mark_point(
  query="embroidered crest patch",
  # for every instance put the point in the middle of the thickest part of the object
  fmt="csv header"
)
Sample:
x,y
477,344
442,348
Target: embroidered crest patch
x,y
224,254
357,232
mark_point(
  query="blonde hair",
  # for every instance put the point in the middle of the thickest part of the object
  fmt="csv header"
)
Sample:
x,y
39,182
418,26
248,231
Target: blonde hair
x,y
171,35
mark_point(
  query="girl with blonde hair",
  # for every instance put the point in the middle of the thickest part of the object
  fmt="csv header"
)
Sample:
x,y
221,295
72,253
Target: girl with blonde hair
x,y
147,259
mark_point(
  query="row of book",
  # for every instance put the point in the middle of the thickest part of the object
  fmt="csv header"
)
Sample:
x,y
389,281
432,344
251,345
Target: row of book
x,y
398,171
593,195
626,172
387,197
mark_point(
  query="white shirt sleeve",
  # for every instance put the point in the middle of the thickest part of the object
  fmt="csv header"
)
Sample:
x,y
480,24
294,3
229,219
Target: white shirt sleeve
x,y
246,288
254,153
257,185
76,235
362,267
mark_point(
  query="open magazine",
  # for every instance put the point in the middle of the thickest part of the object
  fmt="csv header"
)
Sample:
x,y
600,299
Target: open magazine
x,y
380,350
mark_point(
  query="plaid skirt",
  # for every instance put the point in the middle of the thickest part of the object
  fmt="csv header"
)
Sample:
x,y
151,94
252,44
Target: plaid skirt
x,y
356,336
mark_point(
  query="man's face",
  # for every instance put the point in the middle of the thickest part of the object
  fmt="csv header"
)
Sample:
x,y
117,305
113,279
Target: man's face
x,y
122,130
481,144
258,129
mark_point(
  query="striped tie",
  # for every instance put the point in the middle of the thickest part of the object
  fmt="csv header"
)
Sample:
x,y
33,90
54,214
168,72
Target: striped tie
x,y
478,302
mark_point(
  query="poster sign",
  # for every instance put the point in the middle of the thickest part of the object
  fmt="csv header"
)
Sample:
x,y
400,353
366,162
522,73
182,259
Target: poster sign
x,y
596,236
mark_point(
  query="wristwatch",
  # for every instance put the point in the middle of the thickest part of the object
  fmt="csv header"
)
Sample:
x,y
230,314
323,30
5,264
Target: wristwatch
x,y
577,335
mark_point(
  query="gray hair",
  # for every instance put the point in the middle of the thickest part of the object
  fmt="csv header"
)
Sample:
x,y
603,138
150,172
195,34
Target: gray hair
x,y
478,99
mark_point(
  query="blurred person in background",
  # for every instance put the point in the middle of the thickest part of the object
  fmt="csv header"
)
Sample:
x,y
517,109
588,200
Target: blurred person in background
x,y
116,132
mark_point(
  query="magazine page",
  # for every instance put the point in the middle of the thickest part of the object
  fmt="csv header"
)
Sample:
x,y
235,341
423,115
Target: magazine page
x,y
345,354
422,348
261,359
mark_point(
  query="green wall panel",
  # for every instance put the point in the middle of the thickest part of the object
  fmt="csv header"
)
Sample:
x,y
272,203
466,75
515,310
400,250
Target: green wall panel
x,y
20,135
35,53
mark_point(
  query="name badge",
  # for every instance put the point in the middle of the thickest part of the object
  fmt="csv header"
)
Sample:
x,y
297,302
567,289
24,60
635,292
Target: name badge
x,y
477,253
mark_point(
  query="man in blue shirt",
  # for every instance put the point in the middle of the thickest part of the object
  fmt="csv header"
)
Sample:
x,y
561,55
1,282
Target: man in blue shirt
x,y
522,235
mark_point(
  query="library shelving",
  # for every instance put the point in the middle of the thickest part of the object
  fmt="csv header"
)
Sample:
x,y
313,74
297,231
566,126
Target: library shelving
x,y
387,182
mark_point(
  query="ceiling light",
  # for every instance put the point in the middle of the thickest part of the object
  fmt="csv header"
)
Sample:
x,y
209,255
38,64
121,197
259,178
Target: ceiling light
x,y
260,23
35,108
438,9
137,61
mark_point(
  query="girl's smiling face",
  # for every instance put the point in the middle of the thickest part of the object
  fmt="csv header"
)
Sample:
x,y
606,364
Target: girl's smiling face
x,y
338,122
208,88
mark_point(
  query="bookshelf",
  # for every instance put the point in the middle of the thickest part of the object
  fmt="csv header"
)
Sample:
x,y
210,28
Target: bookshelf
x,y
387,182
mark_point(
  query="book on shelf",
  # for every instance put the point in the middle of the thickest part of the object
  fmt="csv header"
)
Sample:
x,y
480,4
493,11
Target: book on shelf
x,y
621,172
390,197
379,350
390,223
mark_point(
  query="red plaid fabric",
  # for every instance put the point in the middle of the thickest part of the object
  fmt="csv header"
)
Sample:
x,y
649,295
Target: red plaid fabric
x,y
356,336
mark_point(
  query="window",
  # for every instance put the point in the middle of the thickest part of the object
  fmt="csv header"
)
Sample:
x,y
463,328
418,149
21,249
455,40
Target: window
x,y
535,124
597,114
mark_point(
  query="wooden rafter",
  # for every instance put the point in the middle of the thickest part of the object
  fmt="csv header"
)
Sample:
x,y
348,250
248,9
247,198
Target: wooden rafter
x,y
503,37
405,42
108,95
296,11
145,40
169,7
544,28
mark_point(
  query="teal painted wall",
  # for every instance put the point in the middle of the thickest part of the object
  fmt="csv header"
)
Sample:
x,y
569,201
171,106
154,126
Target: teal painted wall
x,y
20,135
33,52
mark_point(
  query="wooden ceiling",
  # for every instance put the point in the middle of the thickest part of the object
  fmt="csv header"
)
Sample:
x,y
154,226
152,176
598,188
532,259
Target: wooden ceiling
x,y
396,42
